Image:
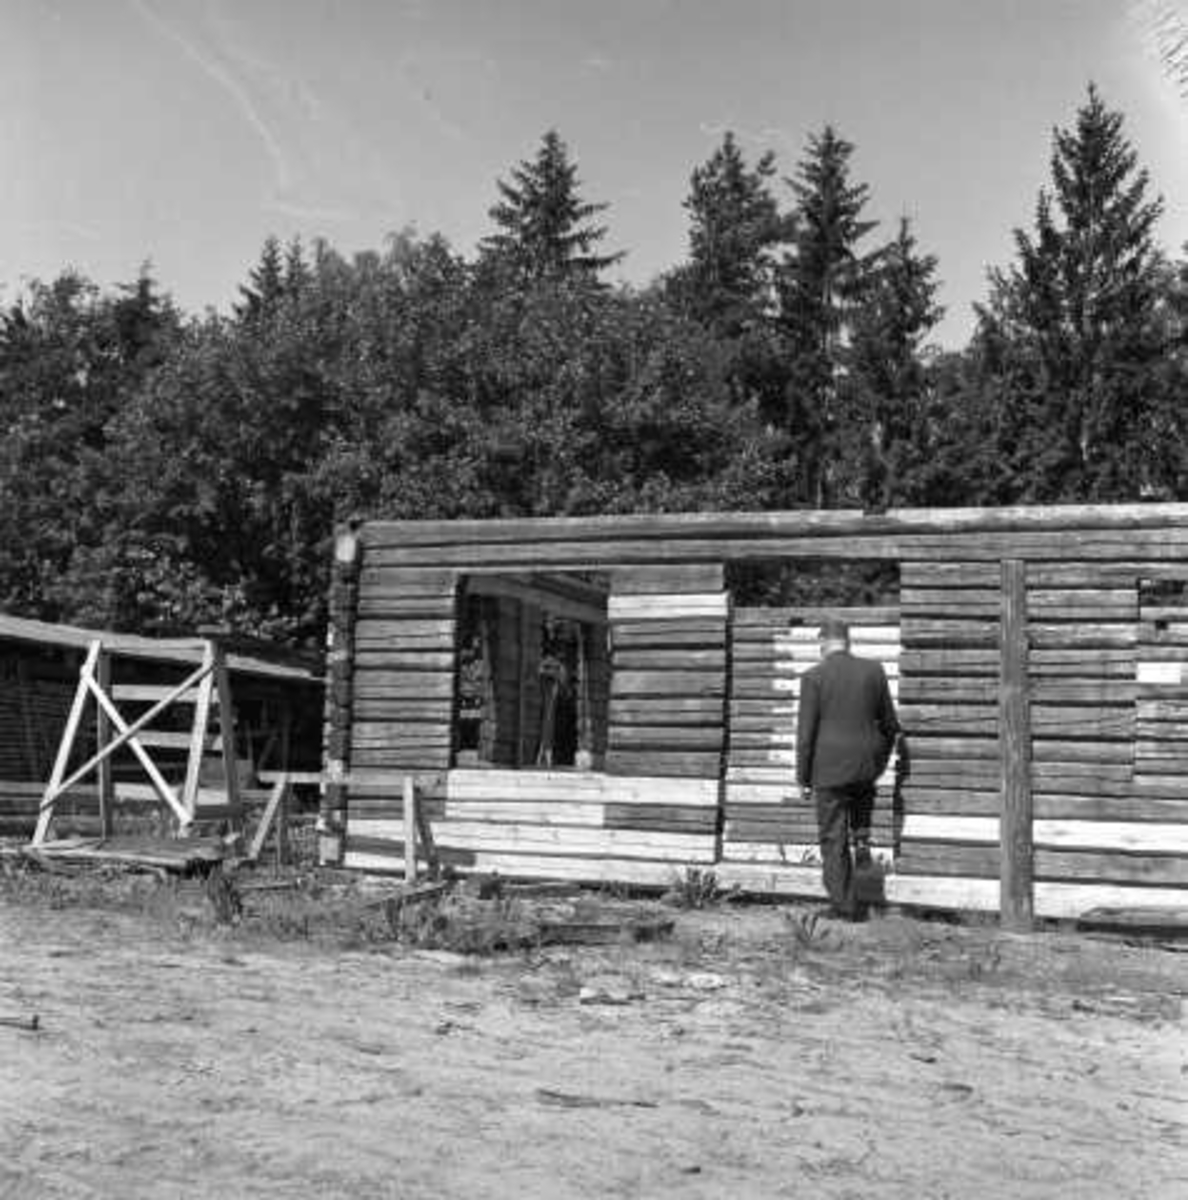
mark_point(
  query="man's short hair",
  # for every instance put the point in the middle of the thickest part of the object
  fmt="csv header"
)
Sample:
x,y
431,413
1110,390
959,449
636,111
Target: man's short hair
x,y
834,629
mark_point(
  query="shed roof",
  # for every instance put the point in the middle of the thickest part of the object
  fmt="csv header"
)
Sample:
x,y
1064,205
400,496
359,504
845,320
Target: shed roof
x,y
131,645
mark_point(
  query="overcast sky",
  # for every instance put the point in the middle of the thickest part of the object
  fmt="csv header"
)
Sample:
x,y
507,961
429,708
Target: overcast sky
x,y
185,131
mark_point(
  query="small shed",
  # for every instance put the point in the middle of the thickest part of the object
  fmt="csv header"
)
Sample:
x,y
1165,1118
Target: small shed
x,y
279,704
588,698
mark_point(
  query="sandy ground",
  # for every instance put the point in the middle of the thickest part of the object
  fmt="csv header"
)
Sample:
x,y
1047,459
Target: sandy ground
x,y
900,1058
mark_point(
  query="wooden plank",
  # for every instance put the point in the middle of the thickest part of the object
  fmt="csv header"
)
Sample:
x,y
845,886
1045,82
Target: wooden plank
x,y
58,783
106,779
145,693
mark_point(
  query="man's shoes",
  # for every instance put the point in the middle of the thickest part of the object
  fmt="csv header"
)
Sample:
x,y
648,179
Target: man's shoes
x,y
849,915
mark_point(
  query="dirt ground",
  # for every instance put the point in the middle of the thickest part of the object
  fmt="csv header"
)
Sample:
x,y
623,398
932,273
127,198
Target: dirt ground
x,y
753,1053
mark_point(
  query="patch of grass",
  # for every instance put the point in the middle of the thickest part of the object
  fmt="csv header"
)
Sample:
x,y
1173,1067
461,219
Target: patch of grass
x,y
695,888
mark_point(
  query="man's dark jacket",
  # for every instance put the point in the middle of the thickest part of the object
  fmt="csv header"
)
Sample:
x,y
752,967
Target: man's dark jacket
x,y
847,725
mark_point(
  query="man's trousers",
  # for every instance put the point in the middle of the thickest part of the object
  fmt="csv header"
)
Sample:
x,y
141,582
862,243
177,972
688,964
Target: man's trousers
x,y
839,810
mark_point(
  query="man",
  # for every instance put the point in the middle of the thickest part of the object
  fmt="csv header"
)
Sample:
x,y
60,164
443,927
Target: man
x,y
845,733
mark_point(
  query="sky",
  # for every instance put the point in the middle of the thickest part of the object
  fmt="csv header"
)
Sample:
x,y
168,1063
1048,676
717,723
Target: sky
x,y
182,133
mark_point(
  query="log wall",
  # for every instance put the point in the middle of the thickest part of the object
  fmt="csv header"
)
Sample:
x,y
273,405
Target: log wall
x,y
1073,712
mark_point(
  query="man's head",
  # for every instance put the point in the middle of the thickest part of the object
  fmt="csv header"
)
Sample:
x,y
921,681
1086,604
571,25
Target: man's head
x,y
833,635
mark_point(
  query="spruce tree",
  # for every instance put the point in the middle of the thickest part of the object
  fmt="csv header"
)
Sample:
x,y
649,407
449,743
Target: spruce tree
x,y
1071,331
734,227
888,385
820,284
544,230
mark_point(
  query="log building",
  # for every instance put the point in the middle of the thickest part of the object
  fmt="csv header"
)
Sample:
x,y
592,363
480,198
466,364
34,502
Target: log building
x,y
584,698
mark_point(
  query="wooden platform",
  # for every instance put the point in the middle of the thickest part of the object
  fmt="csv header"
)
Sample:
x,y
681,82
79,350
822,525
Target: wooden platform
x,y
178,855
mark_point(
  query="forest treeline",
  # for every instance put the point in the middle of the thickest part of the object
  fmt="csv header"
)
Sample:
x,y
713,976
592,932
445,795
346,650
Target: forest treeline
x,y
159,470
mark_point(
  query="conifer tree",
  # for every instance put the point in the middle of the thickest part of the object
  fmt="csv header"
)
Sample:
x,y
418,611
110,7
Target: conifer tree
x,y
544,230
888,385
820,285
734,227
1071,331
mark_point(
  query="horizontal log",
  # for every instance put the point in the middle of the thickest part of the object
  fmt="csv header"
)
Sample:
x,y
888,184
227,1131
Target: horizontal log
x,y
391,708
763,619
407,580
666,659
1060,520
678,577
563,786
870,538
412,760
953,772
1132,837
376,607
1150,869
631,639
385,684
1095,596
927,858
526,812
950,801
661,817
573,839
413,660
668,683
694,764
665,737
668,607
1075,635
939,660
671,710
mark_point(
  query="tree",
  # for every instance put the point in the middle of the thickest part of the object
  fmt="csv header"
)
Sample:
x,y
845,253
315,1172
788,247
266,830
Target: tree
x,y
820,284
734,227
70,359
889,390
1072,333
544,229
